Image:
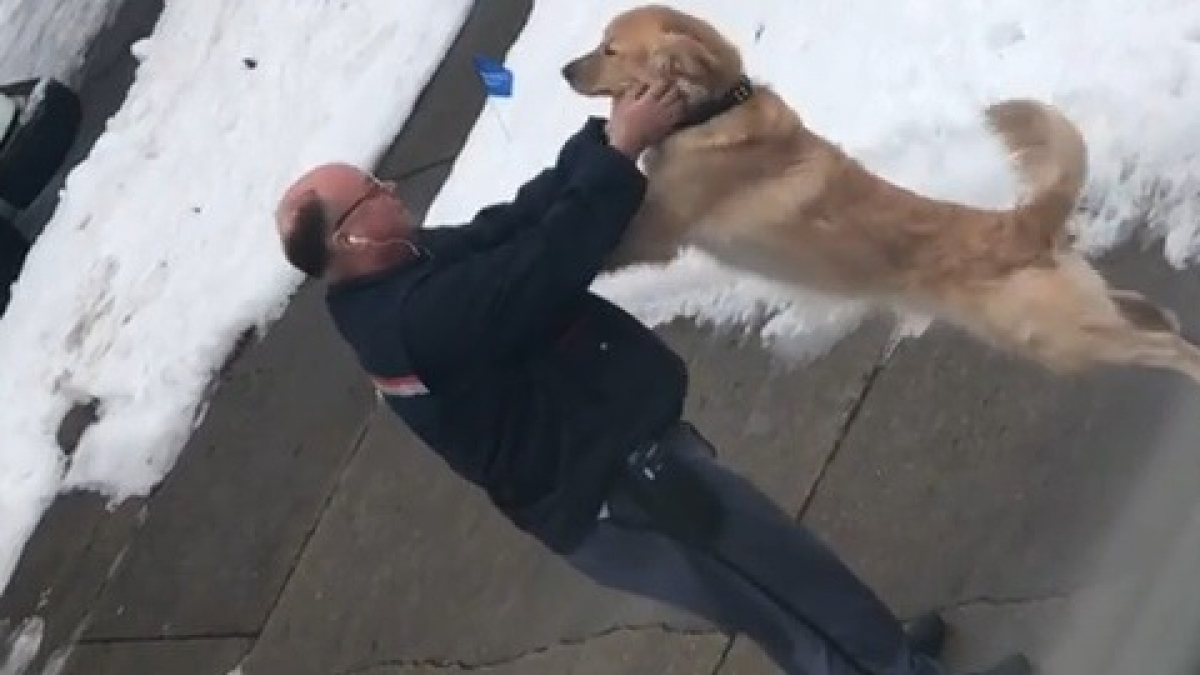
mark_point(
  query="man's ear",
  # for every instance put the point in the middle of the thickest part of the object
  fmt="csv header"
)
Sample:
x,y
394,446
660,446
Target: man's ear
x,y
681,56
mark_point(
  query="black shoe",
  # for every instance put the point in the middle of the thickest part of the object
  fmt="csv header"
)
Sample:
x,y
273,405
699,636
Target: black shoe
x,y
1016,664
926,634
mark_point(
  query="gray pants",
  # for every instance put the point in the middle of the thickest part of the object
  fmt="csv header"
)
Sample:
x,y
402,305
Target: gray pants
x,y
764,575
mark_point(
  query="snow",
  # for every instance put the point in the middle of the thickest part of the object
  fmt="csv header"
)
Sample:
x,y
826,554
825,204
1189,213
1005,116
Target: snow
x,y
42,38
900,85
163,249
22,646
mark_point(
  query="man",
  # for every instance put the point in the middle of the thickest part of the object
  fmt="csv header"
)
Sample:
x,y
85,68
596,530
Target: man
x,y
567,411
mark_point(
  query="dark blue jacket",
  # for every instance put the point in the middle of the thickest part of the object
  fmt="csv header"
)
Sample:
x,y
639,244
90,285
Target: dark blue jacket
x,y
494,352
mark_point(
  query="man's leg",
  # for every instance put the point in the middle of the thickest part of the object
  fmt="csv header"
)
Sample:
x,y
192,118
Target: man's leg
x,y
759,572
802,575
625,555
763,574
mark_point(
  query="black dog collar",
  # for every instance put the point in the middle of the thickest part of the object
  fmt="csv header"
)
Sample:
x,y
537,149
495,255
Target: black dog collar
x,y
740,93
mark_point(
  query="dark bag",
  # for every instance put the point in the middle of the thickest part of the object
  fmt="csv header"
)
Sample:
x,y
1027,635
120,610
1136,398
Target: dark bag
x,y
663,480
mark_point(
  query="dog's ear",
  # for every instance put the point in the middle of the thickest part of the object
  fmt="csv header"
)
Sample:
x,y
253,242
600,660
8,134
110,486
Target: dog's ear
x,y
682,57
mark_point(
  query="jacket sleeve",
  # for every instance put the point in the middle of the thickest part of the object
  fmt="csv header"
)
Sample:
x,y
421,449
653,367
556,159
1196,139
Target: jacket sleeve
x,y
495,224
493,303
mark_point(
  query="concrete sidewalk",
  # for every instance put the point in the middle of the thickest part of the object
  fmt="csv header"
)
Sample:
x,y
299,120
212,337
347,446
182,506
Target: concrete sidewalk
x,y
305,532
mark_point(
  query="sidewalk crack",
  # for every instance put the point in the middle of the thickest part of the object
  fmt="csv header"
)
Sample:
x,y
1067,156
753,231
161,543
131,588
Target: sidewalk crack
x,y
856,408
466,666
431,165
725,655
1007,602
330,496
166,639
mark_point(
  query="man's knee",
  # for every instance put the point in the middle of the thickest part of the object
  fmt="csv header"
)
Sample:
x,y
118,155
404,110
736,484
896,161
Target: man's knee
x,y
668,484
686,438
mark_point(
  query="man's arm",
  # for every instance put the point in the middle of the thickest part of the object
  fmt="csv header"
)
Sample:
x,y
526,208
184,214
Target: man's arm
x,y
492,304
498,223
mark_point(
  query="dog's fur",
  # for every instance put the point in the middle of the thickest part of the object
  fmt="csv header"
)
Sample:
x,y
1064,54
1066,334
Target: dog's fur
x,y
760,192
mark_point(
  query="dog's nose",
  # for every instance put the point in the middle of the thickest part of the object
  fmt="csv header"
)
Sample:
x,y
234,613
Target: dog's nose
x,y
568,71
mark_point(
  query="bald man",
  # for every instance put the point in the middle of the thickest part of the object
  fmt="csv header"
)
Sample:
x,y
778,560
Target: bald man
x,y
566,411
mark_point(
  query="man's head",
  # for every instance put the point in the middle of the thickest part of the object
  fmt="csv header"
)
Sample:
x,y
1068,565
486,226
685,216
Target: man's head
x,y
339,221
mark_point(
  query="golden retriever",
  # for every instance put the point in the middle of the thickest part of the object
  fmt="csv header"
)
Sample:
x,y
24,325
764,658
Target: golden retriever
x,y
748,183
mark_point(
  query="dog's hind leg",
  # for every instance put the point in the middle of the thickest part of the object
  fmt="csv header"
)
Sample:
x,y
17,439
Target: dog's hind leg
x,y
1137,333
1067,318
1152,349
1149,335
1143,313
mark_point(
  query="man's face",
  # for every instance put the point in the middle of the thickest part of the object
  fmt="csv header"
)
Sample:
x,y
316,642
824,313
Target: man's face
x,y
374,216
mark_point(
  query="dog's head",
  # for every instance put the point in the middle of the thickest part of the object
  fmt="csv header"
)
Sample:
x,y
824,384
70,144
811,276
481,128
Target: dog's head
x,y
652,44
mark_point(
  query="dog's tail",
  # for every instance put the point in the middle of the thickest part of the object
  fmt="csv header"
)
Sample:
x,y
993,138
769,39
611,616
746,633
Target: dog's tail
x,y
1050,157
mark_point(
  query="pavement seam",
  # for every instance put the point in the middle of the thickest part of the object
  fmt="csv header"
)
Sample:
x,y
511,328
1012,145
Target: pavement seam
x,y
334,490
165,639
856,408
409,174
85,621
1002,602
462,665
725,655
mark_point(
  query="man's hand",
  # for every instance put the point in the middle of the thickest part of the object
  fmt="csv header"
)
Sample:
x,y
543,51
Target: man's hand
x,y
644,116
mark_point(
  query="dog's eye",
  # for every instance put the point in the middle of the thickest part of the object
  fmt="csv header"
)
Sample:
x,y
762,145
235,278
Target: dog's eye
x,y
609,51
